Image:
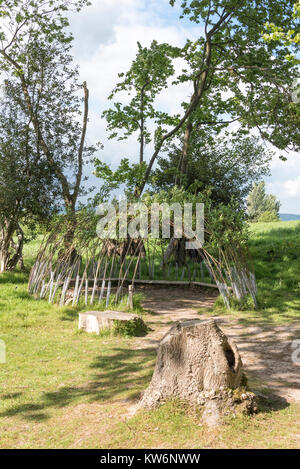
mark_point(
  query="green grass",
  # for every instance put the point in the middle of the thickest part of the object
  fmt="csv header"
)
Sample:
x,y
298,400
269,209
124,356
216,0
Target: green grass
x,y
51,367
175,425
275,252
61,388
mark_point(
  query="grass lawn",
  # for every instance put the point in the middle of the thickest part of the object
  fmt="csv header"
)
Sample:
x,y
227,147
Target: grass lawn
x,y
275,252
63,389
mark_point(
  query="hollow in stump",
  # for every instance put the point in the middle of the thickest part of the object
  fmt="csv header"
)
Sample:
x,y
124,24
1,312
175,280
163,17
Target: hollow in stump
x,y
197,363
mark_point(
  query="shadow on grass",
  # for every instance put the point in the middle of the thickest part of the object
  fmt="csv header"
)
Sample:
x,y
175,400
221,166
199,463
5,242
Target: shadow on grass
x,y
269,402
12,395
23,295
120,376
27,411
69,314
14,277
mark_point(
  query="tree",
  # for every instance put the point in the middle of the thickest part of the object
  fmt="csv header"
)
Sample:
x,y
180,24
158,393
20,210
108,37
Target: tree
x,y
268,217
145,79
35,55
227,169
291,37
259,202
236,76
35,52
232,58
27,187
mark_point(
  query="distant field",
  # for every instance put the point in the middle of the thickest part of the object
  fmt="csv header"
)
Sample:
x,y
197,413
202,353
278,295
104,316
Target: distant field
x,y
275,253
277,229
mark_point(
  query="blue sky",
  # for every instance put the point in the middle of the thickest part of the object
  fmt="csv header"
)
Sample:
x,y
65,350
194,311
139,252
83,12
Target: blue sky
x,y
106,34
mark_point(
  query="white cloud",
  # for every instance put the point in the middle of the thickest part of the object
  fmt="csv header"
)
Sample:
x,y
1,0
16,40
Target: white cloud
x,y
101,70
292,187
95,25
106,36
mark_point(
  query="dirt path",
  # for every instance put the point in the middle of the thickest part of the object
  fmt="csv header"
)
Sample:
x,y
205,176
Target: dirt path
x,y
266,351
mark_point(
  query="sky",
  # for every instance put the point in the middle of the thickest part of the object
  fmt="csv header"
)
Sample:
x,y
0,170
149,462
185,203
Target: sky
x,y
105,43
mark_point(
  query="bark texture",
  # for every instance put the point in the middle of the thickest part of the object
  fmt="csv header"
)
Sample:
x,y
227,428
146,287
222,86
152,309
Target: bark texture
x,y
196,362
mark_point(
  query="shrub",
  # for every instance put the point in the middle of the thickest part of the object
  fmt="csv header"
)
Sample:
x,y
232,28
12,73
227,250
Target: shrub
x,y
268,217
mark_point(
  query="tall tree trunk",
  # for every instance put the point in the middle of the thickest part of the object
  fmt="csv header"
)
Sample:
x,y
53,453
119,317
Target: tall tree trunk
x,y
182,165
142,122
185,149
71,225
176,249
7,231
18,247
4,256
142,143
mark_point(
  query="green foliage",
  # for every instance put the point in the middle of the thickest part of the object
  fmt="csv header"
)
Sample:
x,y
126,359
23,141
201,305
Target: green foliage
x,y
291,37
258,77
127,175
274,248
259,202
145,79
35,56
225,225
268,217
134,328
246,304
228,170
28,189
27,185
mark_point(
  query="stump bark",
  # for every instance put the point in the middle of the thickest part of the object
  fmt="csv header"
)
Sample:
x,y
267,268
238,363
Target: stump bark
x,y
196,362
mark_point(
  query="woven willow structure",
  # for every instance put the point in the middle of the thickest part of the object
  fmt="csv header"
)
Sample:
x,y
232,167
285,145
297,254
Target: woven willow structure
x,y
73,265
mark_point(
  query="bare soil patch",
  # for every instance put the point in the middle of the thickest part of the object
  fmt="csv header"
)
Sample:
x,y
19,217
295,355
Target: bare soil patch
x,y
266,351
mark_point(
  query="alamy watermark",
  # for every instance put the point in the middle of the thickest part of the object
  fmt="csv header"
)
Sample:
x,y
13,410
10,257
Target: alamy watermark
x,y
296,353
137,220
2,352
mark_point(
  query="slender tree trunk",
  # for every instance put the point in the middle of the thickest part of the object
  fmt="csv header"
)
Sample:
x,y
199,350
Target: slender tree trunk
x,y
182,165
4,257
18,247
142,144
7,232
142,122
142,138
185,149
71,224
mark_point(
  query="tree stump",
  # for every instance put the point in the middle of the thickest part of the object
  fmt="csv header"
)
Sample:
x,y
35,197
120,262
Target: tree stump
x,y
197,363
95,321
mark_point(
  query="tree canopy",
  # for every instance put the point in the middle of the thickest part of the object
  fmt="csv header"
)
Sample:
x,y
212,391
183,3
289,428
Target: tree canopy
x,y
260,203
35,53
236,76
27,186
225,169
